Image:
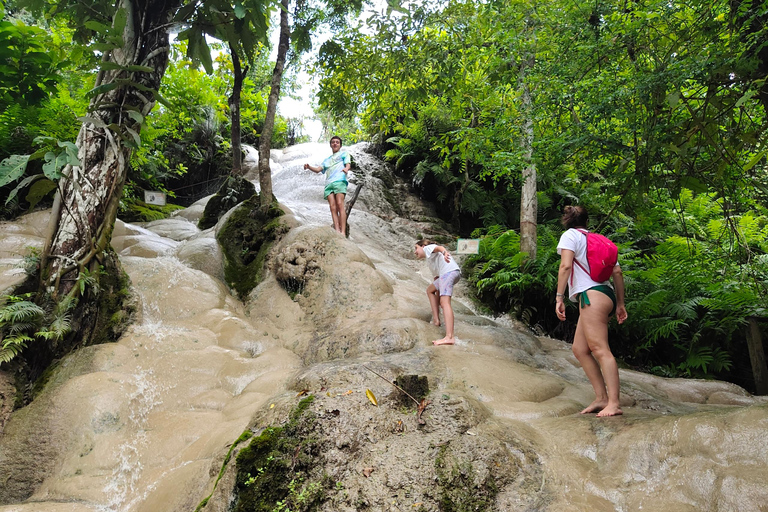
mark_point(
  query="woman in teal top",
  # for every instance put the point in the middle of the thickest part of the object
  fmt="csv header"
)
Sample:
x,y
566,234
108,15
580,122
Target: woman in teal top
x,y
335,168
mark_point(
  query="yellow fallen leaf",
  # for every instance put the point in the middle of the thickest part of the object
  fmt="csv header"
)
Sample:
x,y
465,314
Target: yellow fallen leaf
x,y
271,406
348,392
371,396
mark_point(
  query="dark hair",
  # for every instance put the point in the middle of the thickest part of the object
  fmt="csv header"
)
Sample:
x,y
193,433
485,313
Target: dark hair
x,y
341,142
424,242
574,217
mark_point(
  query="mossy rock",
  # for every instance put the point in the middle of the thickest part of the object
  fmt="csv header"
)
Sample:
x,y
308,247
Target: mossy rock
x,y
278,467
246,238
233,191
139,211
460,491
101,315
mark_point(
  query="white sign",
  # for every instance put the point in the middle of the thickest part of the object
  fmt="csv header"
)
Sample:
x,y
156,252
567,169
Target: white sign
x,y
468,246
156,198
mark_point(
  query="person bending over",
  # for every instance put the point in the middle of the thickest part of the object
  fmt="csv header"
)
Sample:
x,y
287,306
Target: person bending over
x,y
597,303
446,273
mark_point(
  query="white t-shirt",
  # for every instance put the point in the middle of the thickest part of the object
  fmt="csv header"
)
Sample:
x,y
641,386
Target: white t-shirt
x,y
576,241
436,261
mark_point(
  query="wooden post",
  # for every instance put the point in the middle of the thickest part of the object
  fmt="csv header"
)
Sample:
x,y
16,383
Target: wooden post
x,y
349,204
757,357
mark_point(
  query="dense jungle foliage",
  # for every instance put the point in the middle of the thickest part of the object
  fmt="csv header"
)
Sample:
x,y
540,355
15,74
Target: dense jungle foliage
x,y
651,114
185,146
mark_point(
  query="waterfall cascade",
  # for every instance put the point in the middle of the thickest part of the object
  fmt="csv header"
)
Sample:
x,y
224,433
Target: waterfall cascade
x,y
144,424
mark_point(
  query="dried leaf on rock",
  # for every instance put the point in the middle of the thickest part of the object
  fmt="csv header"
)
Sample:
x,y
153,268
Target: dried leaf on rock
x,y
367,472
302,392
371,396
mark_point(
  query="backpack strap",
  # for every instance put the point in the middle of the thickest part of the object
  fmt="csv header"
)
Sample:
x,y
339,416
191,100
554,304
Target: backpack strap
x,y
576,261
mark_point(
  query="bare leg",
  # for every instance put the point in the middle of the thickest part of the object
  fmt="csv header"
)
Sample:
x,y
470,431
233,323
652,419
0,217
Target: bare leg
x,y
590,346
334,216
591,368
445,303
434,303
342,212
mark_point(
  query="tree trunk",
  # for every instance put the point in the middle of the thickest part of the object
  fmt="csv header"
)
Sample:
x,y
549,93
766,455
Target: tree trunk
x,y
234,111
89,195
528,200
265,140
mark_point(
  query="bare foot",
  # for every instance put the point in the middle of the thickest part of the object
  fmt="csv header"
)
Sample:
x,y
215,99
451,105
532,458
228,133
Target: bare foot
x,y
435,322
610,410
444,341
596,406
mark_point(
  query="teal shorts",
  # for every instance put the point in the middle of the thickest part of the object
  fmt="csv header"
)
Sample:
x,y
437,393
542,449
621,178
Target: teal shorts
x,y
335,187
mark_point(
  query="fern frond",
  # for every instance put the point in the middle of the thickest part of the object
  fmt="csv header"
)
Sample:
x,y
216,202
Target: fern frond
x,y
669,329
12,346
19,312
684,310
60,326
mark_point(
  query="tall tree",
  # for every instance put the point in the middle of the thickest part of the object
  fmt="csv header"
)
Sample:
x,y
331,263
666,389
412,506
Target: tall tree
x,y
133,37
528,200
265,140
307,16
244,26
234,111
135,58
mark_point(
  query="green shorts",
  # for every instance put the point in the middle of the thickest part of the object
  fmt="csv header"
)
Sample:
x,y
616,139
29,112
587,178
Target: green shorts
x,y
335,187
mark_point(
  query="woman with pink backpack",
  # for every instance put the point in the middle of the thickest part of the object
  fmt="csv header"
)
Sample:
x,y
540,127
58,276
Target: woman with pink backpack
x,y
587,264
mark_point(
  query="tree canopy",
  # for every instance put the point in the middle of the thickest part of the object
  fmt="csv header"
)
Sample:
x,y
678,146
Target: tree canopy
x,y
651,114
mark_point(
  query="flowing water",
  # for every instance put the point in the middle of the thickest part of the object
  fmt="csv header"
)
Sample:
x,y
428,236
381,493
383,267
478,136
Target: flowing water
x,y
143,424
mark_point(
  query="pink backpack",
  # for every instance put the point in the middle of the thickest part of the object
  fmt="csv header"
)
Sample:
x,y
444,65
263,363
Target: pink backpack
x,y
602,255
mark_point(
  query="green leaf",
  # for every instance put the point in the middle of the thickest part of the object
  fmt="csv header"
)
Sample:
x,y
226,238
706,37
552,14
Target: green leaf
x,y
26,181
131,67
12,168
745,98
755,159
53,165
97,27
693,184
119,20
39,190
101,89
185,11
98,123
71,150
135,135
104,47
136,116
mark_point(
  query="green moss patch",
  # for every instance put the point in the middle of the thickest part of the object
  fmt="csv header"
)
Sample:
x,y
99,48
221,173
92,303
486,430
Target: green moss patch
x,y
245,239
139,211
459,489
233,191
278,468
